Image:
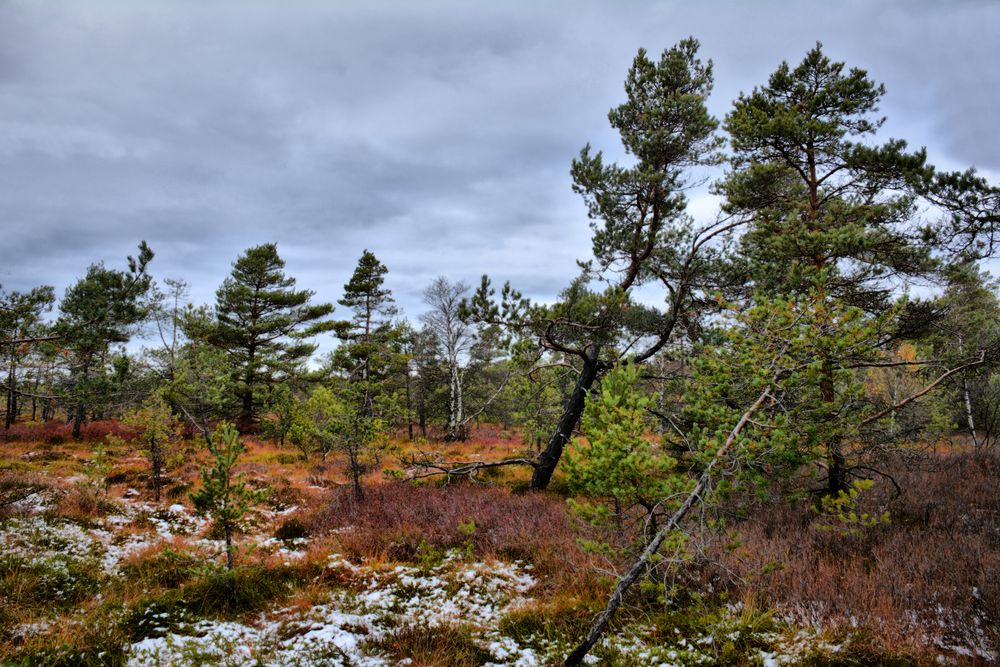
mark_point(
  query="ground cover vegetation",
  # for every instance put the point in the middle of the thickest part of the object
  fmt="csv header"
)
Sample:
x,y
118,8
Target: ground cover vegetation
x,y
765,438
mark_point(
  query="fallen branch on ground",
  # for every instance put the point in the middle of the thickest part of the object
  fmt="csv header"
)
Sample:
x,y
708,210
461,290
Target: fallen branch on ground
x,y
423,468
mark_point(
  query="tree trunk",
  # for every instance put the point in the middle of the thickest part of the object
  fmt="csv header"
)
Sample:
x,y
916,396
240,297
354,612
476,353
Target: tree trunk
x,y
356,476
77,419
34,398
11,396
230,560
156,457
549,459
836,471
968,413
837,474
78,413
409,408
968,401
249,380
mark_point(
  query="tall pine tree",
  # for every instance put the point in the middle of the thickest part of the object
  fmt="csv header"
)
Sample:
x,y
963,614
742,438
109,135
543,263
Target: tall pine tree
x,y
833,216
263,322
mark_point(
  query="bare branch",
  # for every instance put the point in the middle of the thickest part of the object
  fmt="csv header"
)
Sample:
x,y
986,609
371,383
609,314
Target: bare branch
x,y
941,378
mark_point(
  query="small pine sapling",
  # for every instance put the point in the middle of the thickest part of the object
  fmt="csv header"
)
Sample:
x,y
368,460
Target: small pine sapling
x,y
99,470
156,428
224,497
617,465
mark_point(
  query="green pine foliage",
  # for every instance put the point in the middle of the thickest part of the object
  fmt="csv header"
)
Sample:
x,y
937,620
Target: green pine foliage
x,y
263,323
617,466
99,310
368,368
157,428
223,496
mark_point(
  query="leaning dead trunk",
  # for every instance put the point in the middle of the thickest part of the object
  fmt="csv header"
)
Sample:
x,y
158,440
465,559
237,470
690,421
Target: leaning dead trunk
x,y
597,629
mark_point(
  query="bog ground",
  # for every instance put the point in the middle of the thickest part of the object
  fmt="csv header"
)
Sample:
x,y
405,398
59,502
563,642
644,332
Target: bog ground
x,y
95,572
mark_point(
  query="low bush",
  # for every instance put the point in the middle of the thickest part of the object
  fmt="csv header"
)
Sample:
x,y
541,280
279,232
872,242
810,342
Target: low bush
x,y
403,522
930,574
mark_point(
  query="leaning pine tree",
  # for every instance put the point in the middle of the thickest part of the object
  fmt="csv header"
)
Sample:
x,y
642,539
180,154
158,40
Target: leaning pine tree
x,y
642,237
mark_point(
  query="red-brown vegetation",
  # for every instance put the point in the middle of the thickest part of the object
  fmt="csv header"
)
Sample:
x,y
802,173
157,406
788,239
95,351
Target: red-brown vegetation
x,y
396,520
56,432
930,576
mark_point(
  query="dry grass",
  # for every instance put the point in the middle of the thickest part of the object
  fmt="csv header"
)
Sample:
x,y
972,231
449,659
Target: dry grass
x,y
930,576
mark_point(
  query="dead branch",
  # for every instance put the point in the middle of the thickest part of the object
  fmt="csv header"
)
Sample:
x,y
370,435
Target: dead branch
x,y
424,468
597,629
941,378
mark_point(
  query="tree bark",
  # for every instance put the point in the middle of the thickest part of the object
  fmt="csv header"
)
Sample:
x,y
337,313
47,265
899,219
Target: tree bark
x,y
549,458
230,561
11,416
78,413
356,476
156,456
968,401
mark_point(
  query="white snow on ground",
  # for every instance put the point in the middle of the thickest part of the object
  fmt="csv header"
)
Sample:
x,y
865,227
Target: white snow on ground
x,y
333,633
339,630
38,541
34,503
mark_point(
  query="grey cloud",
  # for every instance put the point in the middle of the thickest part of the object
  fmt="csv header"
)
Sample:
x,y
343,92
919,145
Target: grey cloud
x,y
438,134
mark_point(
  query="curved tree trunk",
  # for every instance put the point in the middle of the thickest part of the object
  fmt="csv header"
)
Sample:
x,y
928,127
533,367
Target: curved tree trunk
x,y
549,458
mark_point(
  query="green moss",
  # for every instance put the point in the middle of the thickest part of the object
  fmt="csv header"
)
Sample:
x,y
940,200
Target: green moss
x,y
537,626
231,593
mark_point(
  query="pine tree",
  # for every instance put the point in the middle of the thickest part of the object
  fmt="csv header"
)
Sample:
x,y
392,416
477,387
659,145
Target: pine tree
x,y
157,427
224,497
369,359
641,236
100,309
20,318
262,323
829,209
831,213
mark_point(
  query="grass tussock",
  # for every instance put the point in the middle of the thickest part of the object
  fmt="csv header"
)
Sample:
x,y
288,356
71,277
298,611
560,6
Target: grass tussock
x,y
431,646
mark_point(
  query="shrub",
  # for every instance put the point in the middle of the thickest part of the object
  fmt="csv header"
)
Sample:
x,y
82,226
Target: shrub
x,y
401,521
291,529
927,574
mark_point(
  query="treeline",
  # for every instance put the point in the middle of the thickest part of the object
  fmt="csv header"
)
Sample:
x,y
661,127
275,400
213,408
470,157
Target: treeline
x,y
841,278
251,356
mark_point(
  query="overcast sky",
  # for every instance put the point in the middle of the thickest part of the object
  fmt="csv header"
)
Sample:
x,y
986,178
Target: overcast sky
x,y
437,134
